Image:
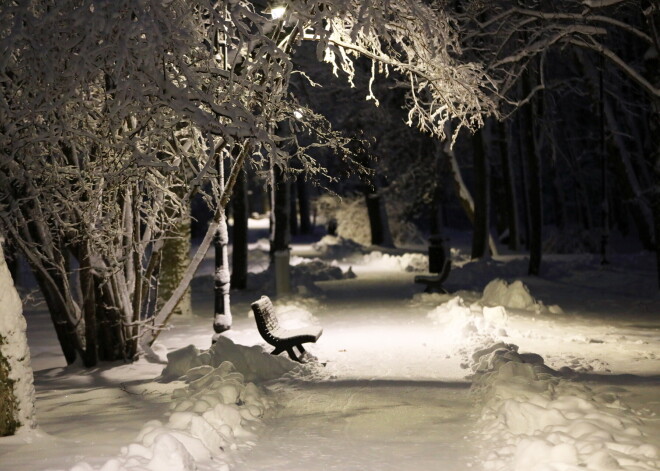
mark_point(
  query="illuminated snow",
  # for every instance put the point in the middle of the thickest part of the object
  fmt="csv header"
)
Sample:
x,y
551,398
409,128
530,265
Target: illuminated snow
x,y
411,381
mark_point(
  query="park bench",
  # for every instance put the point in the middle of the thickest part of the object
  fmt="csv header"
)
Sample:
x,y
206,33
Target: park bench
x,y
280,338
434,282
439,265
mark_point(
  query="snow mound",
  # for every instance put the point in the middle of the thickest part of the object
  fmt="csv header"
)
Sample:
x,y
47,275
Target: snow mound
x,y
252,362
534,420
409,262
468,325
514,295
215,412
14,349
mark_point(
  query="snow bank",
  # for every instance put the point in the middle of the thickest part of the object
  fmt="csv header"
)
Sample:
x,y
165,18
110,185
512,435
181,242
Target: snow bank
x,y
336,248
514,296
534,420
14,348
409,262
252,362
215,410
472,325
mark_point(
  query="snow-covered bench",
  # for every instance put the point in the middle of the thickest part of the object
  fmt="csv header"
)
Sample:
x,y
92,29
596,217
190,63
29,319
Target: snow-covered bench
x,y
282,339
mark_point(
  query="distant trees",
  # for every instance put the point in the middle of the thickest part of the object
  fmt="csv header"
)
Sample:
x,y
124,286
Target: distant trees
x,y
578,72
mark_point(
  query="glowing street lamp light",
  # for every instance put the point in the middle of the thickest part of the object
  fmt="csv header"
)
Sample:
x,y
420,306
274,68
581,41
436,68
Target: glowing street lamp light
x,y
298,114
277,12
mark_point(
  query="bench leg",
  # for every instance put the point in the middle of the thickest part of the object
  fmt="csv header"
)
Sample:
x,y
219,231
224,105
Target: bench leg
x,y
301,349
435,288
293,355
277,351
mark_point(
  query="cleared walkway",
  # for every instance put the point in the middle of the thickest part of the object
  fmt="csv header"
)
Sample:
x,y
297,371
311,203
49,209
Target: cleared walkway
x,y
357,425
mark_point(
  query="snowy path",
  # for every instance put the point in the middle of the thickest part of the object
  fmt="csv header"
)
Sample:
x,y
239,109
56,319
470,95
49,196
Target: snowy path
x,y
393,393
355,425
371,408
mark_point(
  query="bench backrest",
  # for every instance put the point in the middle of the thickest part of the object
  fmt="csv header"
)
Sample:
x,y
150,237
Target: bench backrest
x,y
264,314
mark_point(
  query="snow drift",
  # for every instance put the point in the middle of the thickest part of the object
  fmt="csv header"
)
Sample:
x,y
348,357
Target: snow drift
x,y
534,420
214,411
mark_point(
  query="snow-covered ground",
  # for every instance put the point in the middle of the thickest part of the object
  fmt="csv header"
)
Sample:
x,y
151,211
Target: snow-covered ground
x,y
560,372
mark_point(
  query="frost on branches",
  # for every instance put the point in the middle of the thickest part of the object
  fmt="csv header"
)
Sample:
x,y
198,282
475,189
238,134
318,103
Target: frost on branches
x,y
412,41
113,114
16,380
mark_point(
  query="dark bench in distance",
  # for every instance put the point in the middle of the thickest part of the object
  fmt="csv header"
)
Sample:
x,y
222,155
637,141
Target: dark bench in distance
x,y
282,339
439,265
434,282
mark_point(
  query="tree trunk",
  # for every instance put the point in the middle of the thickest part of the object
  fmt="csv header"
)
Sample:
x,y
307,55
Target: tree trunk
x,y
534,187
463,194
482,193
524,176
239,260
90,355
436,219
175,259
60,312
509,188
558,196
222,319
653,68
280,233
293,210
16,378
304,207
378,222
629,183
